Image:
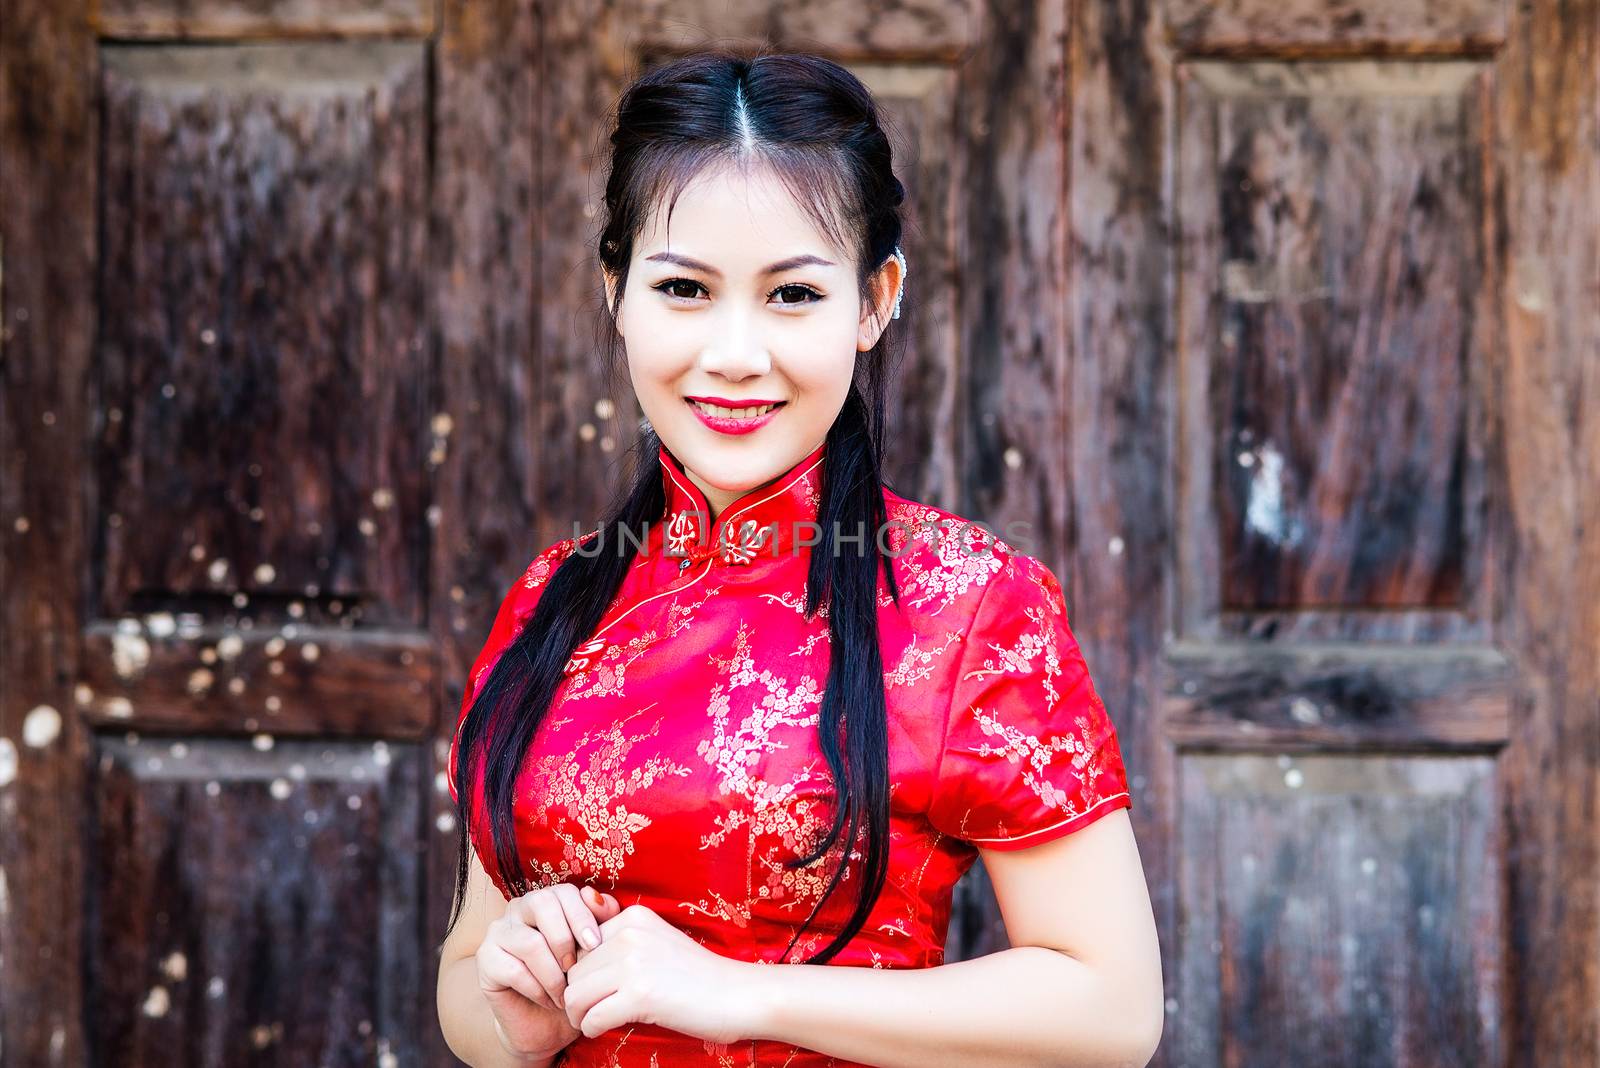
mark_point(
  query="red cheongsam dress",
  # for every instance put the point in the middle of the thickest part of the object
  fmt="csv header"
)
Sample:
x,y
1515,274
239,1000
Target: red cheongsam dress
x,y
679,765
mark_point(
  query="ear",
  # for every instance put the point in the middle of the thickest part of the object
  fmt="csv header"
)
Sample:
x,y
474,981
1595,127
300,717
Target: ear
x,y
875,311
609,282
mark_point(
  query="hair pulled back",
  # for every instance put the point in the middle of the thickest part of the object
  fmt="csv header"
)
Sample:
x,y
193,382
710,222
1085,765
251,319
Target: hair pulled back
x,y
816,126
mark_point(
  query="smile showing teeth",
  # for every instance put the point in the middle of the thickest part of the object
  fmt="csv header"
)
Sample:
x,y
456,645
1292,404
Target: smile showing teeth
x,y
733,413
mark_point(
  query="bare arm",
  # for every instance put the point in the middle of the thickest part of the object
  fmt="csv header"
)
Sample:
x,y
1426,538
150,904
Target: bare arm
x,y
470,1028
1081,985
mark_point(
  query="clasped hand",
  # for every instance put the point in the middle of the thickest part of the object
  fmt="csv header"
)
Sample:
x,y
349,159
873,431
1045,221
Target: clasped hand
x,y
645,970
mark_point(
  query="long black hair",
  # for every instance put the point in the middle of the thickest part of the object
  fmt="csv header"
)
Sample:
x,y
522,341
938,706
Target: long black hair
x,y
813,123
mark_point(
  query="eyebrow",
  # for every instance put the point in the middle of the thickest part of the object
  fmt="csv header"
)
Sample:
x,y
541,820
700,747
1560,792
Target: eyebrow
x,y
775,268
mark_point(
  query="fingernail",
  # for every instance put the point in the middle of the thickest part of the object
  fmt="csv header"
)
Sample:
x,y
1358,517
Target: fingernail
x,y
588,938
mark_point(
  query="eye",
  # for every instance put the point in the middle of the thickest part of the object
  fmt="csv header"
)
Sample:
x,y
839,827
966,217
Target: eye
x,y
671,283
807,294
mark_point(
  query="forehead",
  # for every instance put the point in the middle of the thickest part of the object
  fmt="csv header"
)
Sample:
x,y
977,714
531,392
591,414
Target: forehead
x,y
732,212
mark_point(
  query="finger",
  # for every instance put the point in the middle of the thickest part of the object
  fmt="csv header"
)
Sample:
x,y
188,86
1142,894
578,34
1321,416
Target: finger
x,y
550,918
602,905
530,946
499,971
587,992
580,921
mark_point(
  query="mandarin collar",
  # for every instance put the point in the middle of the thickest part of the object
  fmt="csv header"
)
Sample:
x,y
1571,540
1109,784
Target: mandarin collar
x,y
766,522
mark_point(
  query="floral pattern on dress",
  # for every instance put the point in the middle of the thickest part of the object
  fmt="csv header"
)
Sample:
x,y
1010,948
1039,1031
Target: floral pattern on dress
x,y
679,765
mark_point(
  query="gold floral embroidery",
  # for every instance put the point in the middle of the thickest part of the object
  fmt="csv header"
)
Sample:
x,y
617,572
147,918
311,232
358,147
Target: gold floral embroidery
x,y
917,665
586,787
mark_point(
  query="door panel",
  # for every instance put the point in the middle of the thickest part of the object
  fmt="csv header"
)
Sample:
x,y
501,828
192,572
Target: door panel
x,y
1275,323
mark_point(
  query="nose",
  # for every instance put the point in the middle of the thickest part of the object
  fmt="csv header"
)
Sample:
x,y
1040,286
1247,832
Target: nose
x,y
736,350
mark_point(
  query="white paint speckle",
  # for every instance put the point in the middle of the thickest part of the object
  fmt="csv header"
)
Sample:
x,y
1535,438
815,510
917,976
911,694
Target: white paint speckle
x,y
265,573
41,726
160,624
1304,710
1013,457
353,802
280,788
156,1003
201,679
443,424
175,966
1115,546
297,771
310,651
274,704
230,646
262,742
1294,779
446,823
1264,512
216,987
275,645
217,570
1369,866
83,693
604,409
8,762
366,526
130,653
382,498
213,788
380,753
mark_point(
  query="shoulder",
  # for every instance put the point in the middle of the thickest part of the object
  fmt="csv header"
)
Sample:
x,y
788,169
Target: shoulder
x,y
949,565
544,564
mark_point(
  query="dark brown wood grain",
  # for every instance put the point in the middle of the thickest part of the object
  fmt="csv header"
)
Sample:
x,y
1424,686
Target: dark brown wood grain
x,y
1273,325
1354,27
268,19
47,323
251,904
1344,910
260,373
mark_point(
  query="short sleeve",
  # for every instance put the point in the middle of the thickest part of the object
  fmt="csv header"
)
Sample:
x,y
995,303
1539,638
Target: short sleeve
x,y
1029,753
516,607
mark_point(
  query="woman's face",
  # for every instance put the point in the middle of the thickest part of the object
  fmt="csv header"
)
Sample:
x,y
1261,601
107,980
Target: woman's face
x,y
747,302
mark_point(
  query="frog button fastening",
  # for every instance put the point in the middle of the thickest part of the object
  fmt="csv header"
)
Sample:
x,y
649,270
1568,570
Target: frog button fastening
x,y
582,655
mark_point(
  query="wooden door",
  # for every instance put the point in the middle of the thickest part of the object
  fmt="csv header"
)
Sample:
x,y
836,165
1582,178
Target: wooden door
x,y
1276,323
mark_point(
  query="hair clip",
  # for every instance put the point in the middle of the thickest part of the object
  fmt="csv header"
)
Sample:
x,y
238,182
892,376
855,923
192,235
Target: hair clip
x,y
902,287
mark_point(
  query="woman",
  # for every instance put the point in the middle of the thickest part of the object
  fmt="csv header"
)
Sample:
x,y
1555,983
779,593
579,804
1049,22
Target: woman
x,y
765,715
